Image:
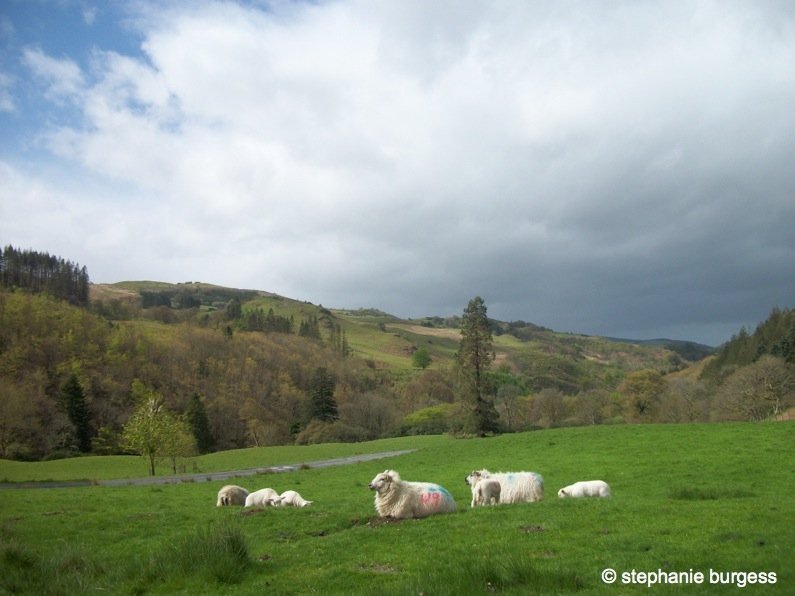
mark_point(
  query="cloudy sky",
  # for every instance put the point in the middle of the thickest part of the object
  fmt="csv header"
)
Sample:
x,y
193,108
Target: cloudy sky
x,y
611,168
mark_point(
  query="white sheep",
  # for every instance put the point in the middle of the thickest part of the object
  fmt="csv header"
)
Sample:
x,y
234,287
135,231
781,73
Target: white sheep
x,y
231,494
401,499
486,492
516,487
292,498
263,497
585,488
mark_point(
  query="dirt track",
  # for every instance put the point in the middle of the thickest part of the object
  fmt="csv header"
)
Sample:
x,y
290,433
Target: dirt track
x,y
210,476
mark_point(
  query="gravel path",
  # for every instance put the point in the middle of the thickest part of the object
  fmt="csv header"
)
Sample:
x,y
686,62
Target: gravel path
x,y
210,476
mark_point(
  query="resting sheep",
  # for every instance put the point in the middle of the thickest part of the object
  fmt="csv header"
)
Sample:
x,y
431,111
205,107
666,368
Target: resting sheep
x,y
402,499
585,488
293,499
231,495
516,487
486,492
263,497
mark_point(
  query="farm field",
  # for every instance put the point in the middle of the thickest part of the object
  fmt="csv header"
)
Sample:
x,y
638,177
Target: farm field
x,y
711,499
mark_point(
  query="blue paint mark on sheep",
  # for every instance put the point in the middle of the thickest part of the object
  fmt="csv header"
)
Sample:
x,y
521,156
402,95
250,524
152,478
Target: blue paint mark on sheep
x,y
443,490
435,495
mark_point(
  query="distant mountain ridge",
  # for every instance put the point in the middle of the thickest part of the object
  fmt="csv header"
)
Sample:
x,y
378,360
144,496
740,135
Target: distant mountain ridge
x,y
211,293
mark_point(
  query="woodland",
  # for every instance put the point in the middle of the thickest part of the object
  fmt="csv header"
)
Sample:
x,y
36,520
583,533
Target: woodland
x,y
100,369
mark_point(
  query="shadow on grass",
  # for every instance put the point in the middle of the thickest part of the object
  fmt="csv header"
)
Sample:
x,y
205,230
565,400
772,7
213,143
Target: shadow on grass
x,y
694,493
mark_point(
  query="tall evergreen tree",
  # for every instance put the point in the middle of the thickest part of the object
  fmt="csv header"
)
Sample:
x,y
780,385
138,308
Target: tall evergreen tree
x,y
474,358
199,423
74,401
321,392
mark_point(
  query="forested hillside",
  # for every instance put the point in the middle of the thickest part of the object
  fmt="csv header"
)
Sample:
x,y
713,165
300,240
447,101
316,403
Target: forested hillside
x,y
42,272
229,368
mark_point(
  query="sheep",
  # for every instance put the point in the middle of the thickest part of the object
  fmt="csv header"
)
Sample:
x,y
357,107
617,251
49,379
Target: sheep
x,y
292,498
263,498
516,487
400,499
231,494
585,488
486,492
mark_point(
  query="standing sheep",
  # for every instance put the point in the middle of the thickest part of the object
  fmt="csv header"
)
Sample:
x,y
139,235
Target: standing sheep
x,y
486,492
401,499
585,488
292,498
263,497
516,487
231,494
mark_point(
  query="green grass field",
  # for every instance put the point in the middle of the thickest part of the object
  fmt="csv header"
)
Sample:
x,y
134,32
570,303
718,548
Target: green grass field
x,y
686,497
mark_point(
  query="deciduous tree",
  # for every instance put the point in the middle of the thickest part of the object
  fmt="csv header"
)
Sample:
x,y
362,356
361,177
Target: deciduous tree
x,y
148,431
421,358
758,391
642,390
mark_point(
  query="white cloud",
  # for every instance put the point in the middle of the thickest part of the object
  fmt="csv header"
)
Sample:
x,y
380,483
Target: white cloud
x,y
89,15
359,153
63,77
6,95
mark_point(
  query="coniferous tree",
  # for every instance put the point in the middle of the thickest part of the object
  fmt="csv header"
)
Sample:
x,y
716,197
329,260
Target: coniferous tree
x,y
74,401
321,392
474,358
199,423
41,272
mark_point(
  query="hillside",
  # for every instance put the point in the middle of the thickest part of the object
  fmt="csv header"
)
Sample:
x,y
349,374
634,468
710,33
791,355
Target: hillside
x,y
388,341
250,365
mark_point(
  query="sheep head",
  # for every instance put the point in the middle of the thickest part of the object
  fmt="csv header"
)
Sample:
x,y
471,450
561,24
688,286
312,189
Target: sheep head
x,y
383,481
476,476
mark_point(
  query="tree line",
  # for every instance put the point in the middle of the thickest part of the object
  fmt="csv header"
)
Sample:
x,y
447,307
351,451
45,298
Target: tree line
x,y
41,272
73,381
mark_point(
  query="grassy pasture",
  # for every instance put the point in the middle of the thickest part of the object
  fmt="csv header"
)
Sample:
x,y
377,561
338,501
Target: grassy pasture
x,y
701,497
113,467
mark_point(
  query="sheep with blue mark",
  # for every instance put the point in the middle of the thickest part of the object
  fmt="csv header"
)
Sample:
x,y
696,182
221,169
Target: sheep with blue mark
x,y
515,487
402,499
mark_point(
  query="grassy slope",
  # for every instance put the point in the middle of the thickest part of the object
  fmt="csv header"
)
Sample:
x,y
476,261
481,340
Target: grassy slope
x,y
130,466
389,341
686,497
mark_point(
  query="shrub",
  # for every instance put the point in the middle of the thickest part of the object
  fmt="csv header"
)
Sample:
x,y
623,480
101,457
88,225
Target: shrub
x,y
433,420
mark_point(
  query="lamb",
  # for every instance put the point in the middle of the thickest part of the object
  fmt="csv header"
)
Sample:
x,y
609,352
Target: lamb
x,y
401,499
486,492
585,488
231,494
292,498
263,497
516,487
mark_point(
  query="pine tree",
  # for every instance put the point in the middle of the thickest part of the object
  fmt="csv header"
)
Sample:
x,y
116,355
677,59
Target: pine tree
x,y
199,423
321,392
74,401
474,358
